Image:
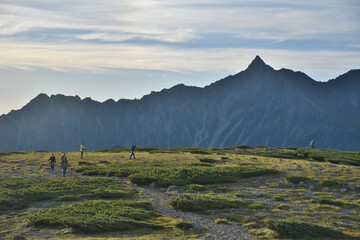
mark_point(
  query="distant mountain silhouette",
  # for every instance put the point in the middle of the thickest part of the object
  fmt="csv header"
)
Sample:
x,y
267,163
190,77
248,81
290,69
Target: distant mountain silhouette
x,y
258,106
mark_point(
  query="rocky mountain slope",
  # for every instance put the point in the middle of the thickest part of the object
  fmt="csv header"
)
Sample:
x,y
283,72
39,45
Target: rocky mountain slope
x,y
258,106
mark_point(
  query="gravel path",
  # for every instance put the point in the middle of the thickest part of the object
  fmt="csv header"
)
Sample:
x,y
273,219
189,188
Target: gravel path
x,y
214,231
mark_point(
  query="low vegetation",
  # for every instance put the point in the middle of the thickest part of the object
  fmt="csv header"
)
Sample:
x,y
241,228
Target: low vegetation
x,y
199,202
175,174
97,216
300,229
17,193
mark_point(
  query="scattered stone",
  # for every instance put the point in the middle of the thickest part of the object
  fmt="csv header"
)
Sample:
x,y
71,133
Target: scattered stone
x,y
237,159
172,188
301,183
314,165
275,166
298,168
152,185
330,165
343,224
343,190
257,194
198,226
163,189
107,175
320,168
311,187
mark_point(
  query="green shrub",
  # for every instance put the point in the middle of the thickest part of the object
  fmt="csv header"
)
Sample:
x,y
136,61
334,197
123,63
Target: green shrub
x,y
97,216
197,187
333,156
242,146
328,183
165,174
335,202
198,202
208,160
279,197
184,225
296,179
16,193
199,152
299,229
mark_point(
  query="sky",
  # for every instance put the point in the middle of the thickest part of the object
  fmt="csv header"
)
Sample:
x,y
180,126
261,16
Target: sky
x,y
126,49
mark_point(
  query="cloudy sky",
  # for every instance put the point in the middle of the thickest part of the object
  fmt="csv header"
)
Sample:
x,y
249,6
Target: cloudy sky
x,y
125,49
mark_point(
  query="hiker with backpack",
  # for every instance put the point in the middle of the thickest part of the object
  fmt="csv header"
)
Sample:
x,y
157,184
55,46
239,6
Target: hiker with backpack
x,y
64,164
132,149
82,149
52,161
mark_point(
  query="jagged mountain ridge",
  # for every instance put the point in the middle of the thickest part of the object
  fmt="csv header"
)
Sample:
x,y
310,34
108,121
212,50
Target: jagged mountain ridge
x,y
258,106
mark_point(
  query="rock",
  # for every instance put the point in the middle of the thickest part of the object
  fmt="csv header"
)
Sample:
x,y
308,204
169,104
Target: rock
x,y
172,188
163,189
107,175
152,185
320,168
298,168
313,165
343,190
257,194
301,183
311,187
330,165
237,159
343,224
19,237
275,166
198,226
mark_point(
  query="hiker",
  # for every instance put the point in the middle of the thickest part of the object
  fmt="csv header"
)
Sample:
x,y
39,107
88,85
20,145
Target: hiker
x,y
312,144
64,164
82,149
52,161
132,149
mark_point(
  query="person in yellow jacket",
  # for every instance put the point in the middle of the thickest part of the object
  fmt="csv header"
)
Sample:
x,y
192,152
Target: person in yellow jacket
x,y
82,149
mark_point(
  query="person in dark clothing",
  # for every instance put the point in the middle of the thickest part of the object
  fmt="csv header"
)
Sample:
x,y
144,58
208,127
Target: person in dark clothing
x,y
52,161
82,149
64,164
132,149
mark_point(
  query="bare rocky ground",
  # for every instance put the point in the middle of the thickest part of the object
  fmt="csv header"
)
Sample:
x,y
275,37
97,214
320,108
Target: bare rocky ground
x,y
211,230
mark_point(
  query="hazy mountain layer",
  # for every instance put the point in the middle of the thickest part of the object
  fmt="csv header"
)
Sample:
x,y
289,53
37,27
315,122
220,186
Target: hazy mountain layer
x,y
258,106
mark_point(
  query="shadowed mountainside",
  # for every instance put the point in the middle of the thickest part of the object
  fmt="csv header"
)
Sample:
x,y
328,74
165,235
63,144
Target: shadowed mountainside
x,y
258,106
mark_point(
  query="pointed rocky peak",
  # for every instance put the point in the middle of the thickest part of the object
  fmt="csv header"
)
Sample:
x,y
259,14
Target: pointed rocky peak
x,y
258,64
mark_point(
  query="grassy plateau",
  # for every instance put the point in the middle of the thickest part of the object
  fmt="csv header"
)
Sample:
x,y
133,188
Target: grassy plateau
x,y
288,193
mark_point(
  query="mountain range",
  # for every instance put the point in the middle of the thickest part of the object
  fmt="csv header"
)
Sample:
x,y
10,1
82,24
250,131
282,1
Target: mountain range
x,y
258,106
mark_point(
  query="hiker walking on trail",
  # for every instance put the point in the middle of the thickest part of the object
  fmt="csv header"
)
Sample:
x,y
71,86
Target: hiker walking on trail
x,y
312,143
64,164
52,161
132,149
82,149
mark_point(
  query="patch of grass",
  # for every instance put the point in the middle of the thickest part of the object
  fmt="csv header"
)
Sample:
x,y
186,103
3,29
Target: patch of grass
x,y
288,155
166,174
299,229
332,156
199,202
258,205
97,216
221,221
184,225
296,179
208,160
279,197
328,183
335,202
197,187
16,193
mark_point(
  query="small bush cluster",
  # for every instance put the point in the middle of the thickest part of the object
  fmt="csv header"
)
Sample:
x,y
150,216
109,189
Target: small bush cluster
x,y
197,187
296,179
199,202
16,193
221,221
299,229
171,174
97,216
328,183
184,225
335,202
208,160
